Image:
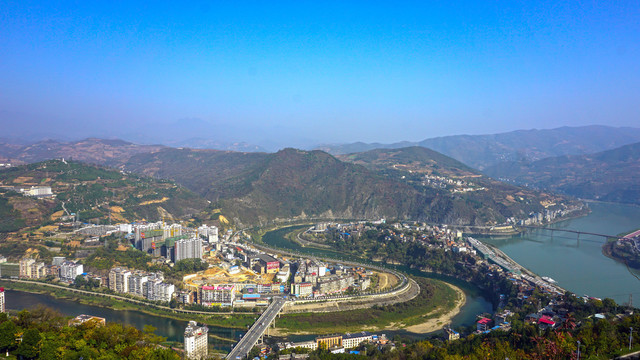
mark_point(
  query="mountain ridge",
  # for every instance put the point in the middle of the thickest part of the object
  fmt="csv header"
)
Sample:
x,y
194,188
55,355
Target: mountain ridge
x,y
608,175
482,151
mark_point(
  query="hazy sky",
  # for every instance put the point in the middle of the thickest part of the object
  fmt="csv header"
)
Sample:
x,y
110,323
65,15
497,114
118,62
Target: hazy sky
x,y
315,72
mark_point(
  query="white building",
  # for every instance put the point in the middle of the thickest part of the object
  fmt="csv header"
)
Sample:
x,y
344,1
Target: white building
x,y
209,232
302,289
119,280
125,228
284,274
196,344
353,340
39,191
157,290
219,295
137,282
171,230
2,300
69,270
190,248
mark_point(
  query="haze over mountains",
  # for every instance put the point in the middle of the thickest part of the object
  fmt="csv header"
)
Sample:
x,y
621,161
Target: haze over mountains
x,y
406,183
476,151
482,151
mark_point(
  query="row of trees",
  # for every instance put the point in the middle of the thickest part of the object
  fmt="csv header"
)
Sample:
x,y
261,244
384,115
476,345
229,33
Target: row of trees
x,y
45,334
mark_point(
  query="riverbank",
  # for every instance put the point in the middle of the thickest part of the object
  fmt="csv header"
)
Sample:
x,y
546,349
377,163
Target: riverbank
x,y
580,267
438,321
630,260
119,303
437,303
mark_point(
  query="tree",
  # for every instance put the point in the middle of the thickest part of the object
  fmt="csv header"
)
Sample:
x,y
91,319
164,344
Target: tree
x,y
7,335
80,281
30,345
173,303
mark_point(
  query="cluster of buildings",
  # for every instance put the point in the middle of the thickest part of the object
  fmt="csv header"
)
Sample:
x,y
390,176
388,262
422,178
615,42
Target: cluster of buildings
x,y
456,185
339,343
30,268
428,235
485,325
547,215
243,276
172,242
148,285
314,278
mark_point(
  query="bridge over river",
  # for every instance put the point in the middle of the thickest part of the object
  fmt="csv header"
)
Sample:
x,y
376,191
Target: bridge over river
x,y
257,330
603,236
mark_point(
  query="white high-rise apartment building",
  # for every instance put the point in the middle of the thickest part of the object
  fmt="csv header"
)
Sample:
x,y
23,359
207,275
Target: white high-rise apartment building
x,y
196,341
70,270
190,248
119,280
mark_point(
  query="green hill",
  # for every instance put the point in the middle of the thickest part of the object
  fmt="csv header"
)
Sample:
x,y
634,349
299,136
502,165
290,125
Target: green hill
x,y
94,193
609,175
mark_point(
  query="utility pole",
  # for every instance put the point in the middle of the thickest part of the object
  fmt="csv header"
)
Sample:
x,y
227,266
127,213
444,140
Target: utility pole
x,y
578,349
630,337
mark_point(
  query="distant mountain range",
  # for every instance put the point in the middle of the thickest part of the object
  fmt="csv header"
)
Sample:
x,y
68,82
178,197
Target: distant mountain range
x,y
404,183
482,151
610,175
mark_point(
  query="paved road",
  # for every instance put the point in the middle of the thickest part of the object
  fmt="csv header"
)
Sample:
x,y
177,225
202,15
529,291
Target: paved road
x,y
250,339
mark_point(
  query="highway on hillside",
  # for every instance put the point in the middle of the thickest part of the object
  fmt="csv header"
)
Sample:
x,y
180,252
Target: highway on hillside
x,y
258,328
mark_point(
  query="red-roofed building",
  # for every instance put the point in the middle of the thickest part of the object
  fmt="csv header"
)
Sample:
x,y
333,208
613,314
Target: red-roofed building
x,y
1,299
483,324
546,321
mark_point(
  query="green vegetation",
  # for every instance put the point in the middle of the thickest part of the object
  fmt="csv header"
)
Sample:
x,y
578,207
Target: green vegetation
x,y
434,299
10,219
46,335
257,188
96,193
606,176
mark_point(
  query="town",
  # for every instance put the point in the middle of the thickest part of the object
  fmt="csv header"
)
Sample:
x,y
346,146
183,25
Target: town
x,y
230,272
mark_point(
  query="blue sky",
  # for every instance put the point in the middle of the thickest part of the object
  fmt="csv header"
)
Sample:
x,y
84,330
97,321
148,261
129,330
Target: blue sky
x,y
312,72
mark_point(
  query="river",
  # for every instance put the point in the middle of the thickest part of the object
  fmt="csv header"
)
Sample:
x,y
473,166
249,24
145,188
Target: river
x,y
172,329
579,267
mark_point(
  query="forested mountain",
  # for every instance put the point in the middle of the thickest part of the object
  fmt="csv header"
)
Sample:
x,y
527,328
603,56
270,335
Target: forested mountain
x,y
258,187
609,175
